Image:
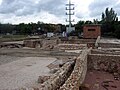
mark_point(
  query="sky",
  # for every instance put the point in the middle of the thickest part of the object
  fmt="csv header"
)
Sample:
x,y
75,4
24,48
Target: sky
x,y
53,11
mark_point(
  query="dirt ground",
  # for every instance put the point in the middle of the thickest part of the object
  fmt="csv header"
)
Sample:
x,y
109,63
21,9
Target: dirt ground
x,y
22,72
94,81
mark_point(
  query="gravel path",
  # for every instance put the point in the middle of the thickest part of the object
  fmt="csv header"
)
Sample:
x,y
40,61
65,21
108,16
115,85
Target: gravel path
x,y
24,72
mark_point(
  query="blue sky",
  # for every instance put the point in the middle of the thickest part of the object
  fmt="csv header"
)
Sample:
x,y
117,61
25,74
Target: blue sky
x,y
52,11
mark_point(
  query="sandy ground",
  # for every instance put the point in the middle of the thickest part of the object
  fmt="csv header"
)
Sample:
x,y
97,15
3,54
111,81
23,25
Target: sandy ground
x,y
6,59
74,51
24,72
12,42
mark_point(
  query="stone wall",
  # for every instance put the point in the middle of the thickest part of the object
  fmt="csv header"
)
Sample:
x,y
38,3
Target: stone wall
x,y
72,46
110,63
58,78
108,45
70,76
78,41
49,44
43,44
32,43
89,45
77,76
104,51
97,41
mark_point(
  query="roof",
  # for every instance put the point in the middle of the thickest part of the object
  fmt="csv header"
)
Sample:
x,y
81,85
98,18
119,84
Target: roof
x,y
92,25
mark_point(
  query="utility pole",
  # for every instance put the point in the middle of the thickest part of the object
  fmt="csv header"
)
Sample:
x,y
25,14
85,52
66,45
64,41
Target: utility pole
x,y
70,7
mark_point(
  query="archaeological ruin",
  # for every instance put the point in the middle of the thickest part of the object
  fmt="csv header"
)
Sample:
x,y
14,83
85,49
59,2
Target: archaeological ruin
x,y
69,64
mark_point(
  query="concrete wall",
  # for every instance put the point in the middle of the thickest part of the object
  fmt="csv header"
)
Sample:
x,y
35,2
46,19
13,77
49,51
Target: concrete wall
x,y
77,76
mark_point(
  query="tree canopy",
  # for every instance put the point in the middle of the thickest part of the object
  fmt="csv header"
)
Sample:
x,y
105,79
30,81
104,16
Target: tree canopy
x,y
109,22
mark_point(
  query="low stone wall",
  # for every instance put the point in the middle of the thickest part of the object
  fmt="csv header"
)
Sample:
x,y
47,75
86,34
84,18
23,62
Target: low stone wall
x,y
101,51
77,76
89,45
97,41
31,43
108,45
49,44
72,46
58,78
78,41
43,44
110,63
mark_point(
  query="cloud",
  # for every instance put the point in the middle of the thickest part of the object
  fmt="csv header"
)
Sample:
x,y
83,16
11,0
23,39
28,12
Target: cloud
x,y
117,8
98,6
41,16
27,7
27,10
37,10
82,9
53,7
17,7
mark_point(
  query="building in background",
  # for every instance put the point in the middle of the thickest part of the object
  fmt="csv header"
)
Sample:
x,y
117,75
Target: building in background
x,y
69,30
50,34
91,31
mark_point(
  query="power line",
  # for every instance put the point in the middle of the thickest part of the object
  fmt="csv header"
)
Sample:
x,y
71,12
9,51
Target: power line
x,y
70,7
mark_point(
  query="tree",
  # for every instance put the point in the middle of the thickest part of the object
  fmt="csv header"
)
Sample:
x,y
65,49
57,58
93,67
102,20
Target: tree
x,y
79,26
6,28
117,31
109,15
25,29
88,22
95,21
109,20
0,29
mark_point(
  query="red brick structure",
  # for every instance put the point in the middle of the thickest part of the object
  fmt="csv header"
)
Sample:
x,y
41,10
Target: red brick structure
x,y
91,31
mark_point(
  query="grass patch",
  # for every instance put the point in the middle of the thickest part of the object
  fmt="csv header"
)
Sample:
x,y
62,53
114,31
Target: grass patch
x,y
12,37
